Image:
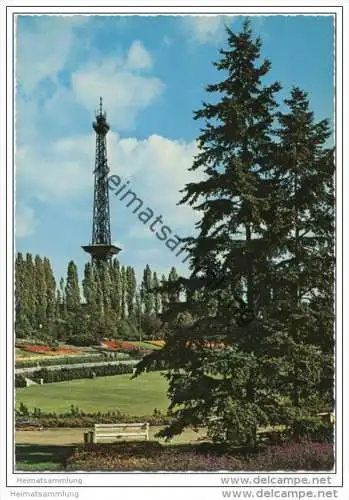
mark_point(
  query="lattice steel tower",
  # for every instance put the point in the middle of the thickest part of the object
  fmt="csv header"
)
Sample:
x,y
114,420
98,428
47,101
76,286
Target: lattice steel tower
x,y
101,248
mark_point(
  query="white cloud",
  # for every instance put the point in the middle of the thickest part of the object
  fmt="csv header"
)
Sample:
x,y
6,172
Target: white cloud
x,y
42,53
61,170
156,167
25,221
124,93
206,29
50,44
138,57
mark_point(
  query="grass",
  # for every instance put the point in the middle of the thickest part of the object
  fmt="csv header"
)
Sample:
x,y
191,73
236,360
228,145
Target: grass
x,y
24,354
134,397
43,457
145,345
49,449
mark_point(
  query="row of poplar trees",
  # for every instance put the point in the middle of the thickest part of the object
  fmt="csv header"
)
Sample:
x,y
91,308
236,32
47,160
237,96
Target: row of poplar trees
x,y
262,264
107,303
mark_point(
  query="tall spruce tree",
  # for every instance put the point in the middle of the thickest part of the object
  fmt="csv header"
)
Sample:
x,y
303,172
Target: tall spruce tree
x,y
303,274
222,388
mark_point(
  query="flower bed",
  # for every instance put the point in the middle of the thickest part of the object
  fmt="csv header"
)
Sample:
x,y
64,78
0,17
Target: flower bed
x,y
295,456
119,344
148,456
152,456
111,344
47,350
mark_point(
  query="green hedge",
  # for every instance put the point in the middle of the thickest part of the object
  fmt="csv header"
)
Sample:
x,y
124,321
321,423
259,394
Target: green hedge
x,y
78,418
73,373
61,361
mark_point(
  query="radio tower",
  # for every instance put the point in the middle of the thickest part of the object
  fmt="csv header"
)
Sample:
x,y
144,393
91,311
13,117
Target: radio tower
x,y
100,248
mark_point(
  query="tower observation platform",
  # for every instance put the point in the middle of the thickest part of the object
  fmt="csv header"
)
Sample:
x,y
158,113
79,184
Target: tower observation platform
x,y
100,248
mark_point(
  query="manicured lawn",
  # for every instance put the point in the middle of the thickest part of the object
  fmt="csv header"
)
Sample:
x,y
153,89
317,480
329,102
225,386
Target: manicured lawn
x,y
135,397
24,354
145,345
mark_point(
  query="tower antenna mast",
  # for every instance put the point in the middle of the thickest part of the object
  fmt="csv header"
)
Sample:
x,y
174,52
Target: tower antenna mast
x,y
100,248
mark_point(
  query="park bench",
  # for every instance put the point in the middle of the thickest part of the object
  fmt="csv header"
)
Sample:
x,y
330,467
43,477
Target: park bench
x,y
328,417
112,432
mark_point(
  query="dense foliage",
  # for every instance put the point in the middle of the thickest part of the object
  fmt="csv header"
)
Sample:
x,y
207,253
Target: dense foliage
x,y
262,264
105,303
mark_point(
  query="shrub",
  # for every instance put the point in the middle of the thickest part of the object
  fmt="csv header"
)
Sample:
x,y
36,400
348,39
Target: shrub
x,y
76,417
20,381
83,340
311,428
127,330
23,410
294,456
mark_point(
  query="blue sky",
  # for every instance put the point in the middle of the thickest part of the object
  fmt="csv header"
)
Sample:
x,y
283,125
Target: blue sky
x,y
151,72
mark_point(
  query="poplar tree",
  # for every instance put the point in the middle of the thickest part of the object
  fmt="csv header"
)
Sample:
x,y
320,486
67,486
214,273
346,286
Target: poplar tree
x,y
123,312
107,290
63,308
131,286
146,291
23,325
40,291
164,293
89,286
157,295
50,284
117,288
29,278
72,289
173,290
